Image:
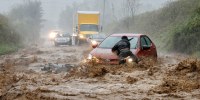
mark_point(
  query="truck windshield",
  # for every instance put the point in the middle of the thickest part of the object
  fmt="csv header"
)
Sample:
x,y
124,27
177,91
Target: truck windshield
x,y
111,41
89,27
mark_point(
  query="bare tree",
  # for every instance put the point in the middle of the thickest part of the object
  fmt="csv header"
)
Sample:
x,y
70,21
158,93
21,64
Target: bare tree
x,y
27,19
130,7
129,10
114,14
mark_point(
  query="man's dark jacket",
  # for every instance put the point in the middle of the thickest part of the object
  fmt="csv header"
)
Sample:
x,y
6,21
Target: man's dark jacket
x,y
122,44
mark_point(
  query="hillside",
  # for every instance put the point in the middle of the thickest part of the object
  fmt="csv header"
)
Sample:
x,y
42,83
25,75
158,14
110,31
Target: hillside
x,y
173,27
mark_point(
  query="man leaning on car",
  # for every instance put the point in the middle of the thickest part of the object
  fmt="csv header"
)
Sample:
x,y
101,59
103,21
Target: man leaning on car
x,y
122,48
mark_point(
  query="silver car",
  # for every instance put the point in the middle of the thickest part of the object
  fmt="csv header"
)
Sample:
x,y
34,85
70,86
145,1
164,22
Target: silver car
x,y
62,39
96,38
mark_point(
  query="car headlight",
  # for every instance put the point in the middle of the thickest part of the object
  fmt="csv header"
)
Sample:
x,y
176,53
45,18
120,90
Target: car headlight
x,y
94,42
92,58
74,34
89,57
130,60
81,36
52,35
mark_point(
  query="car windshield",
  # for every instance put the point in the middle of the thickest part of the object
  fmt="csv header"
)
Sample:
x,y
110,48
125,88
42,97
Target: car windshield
x,y
65,35
109,42
62,35
98,36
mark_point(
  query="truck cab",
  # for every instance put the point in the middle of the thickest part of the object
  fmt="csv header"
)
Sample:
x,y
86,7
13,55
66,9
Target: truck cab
x,y
87,24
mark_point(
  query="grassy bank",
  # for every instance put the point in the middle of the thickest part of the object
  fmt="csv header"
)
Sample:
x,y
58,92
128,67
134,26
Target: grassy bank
x,y
7,48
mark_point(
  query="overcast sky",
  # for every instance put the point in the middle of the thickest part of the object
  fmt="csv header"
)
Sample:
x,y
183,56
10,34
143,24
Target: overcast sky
x,y
52,8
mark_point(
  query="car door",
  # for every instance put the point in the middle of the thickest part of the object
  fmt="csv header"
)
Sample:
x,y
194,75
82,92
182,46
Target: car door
x,y
142,52
144,41
152,49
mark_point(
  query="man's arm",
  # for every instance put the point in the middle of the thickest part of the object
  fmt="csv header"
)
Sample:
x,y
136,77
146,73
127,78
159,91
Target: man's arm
x,y
115,48
129,45
130,39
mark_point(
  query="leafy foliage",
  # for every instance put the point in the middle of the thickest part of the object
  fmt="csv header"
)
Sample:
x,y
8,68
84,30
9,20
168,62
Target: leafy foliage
x,y
187,39
9,38
7,33
22,24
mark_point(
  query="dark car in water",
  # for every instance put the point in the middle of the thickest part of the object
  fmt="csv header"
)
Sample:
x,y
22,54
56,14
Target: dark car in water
x,y
62,39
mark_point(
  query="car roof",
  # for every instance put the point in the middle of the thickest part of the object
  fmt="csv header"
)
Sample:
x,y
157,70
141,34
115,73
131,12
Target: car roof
x,y
127,34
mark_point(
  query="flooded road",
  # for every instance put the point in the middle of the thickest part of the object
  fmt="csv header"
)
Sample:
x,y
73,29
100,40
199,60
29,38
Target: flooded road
x,y
56,73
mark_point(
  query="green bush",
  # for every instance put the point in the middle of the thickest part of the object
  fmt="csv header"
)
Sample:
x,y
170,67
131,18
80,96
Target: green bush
x,y
7,33
187,39
9,39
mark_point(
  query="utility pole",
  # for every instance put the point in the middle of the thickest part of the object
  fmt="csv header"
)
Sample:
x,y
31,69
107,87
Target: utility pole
x,y
103,19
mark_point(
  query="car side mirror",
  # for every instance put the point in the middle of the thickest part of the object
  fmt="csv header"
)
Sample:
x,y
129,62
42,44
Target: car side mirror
x,y
145,47
94,45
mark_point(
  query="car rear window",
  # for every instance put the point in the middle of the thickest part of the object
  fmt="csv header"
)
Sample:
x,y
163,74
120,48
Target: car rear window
x,y
109,42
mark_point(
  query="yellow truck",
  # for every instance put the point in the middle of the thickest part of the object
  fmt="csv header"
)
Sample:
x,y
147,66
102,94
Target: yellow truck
x,y
87,23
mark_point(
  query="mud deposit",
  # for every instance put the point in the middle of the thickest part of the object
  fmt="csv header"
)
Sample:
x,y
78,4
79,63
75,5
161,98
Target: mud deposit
x,y
56,73
184,77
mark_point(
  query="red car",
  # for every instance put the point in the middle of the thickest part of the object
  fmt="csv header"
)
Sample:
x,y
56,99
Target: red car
x,y
141,46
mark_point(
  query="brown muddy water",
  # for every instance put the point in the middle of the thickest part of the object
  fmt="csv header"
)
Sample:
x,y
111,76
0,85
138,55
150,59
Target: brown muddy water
x,y
56,73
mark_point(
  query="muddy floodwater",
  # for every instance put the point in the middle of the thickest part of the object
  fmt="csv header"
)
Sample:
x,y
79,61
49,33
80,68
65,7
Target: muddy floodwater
x,y
57,73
